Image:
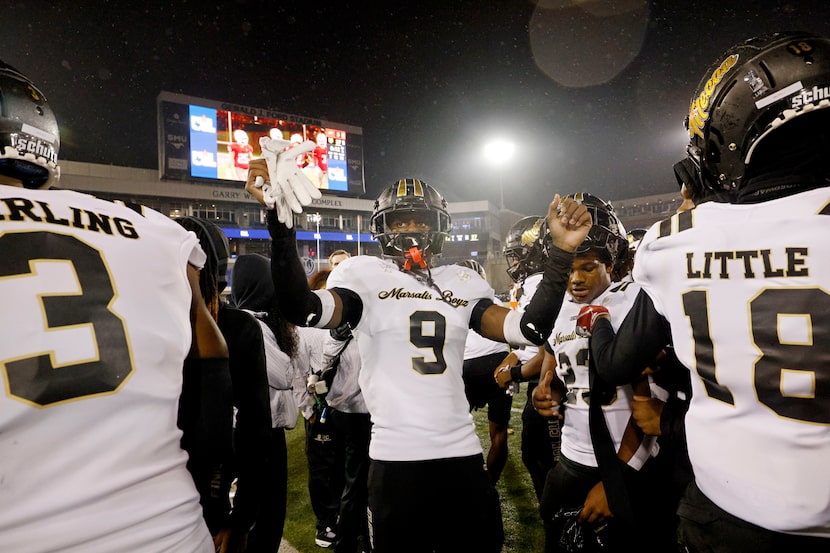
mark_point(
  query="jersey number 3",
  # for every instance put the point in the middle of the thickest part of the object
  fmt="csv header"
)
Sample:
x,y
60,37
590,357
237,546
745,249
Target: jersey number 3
x,y
37,378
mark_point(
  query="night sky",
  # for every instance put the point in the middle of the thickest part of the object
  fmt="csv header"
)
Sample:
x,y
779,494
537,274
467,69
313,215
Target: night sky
x,y
593,93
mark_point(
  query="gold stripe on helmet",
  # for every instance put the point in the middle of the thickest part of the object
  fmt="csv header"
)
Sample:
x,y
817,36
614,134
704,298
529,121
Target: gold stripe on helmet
x,y
418,188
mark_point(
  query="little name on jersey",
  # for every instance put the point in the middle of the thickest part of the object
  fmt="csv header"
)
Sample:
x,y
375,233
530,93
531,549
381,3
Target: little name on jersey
x,y
747,263
400,293
23,209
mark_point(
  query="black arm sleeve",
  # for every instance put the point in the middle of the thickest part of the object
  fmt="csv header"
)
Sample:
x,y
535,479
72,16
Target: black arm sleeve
x,y
478,313
296,300
675,379
622,357
352,306
541,312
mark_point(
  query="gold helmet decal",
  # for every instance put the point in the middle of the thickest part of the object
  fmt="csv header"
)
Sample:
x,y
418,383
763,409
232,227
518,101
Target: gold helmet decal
x,y
532,234
34,94
699,110
415,187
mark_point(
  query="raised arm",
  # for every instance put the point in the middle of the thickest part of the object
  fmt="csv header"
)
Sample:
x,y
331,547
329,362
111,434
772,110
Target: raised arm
x,y
301,306
568,225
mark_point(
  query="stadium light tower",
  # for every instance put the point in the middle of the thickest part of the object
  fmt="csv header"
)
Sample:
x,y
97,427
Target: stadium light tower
x,y
498,153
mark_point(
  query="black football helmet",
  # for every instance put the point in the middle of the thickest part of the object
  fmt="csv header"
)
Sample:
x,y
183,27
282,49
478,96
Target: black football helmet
x,y
634,237
29,135
411,196
523,248
474,265
607,232
756,87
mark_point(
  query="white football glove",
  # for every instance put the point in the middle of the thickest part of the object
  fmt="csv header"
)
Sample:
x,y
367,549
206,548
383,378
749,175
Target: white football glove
x,y
289,188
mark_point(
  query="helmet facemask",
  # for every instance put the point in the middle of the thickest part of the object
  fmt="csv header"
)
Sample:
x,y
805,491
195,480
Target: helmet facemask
x,y
413,248
416,200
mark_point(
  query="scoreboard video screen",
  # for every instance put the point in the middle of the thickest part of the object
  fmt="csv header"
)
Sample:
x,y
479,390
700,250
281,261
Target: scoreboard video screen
x,y
210,141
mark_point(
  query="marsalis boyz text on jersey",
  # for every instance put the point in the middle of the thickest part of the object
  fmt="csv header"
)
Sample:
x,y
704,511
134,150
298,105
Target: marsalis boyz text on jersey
x,y
23,209
747,263
400,293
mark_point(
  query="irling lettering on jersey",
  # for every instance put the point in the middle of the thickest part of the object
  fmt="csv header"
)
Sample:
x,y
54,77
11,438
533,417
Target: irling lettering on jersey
x,y
400,293
450,299
747,263
560,338
23,209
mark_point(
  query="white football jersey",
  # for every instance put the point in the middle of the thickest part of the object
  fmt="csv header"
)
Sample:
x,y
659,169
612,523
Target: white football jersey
x,y
412,352
571,352
345,394
95,327
479,346
746,289
310,342
520,296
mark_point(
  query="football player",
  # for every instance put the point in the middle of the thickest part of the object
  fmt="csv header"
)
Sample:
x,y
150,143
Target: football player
x,y
98,299
240,154
322,444
428,489
481,355
540,436
583,477
739,285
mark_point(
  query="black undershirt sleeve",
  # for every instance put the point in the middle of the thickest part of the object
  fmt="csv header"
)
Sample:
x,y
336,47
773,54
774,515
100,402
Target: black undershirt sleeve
x,y
295,299
478,312
540,314
352,305
620,358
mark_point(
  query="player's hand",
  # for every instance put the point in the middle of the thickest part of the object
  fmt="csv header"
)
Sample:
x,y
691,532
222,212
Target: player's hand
x,y
502,371
542,398
284,187
258,185
568,223
586,318
646,412
595,510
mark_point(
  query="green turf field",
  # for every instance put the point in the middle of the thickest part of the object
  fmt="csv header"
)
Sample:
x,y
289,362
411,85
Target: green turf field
x,y
522,526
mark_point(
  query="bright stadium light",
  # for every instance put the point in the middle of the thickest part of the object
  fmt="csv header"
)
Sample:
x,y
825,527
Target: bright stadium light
x,y
498,153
